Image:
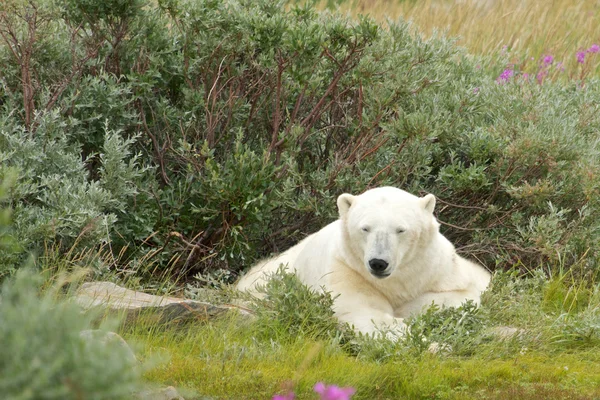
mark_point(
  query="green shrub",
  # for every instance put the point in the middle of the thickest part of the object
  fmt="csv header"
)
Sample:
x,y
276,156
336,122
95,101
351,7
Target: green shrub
x,y
290,309
455,329
248,118
43,356
53,199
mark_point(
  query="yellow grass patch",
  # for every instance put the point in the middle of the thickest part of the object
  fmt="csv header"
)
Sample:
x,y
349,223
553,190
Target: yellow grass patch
x,y
528,28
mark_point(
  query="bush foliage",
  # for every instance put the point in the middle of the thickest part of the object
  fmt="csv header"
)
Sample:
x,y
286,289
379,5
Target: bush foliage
x,y
290,309
208,133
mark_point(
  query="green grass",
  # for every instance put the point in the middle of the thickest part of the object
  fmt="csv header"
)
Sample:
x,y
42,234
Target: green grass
x,y
224,361
556,356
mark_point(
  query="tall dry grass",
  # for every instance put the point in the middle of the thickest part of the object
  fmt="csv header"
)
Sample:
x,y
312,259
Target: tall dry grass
x,y
526,28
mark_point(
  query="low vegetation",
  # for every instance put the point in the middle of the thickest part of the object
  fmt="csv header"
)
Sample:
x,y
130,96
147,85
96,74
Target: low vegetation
x,y
552,353
168,145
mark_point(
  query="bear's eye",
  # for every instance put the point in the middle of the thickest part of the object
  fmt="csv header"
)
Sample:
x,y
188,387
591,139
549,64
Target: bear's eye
x,y
365,229
400,230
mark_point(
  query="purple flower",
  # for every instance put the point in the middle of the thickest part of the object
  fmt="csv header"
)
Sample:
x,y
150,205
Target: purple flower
x,y
580,57
548,60
505,76
594,49
525,76
333,392
289,396
540,76
475,90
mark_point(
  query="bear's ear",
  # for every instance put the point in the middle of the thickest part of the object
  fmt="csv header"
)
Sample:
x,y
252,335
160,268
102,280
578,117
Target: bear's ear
x,y
344,202
428,203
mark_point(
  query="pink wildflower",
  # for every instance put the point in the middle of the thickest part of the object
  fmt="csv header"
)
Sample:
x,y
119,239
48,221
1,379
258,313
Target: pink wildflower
x,y
475,90
540,76
525,76
505,76
580,57
548,60
333,392
594,49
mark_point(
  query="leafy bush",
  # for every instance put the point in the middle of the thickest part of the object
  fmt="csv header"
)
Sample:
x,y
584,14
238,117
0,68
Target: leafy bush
x,y
53,199
455,329
291,309
43,355
207,133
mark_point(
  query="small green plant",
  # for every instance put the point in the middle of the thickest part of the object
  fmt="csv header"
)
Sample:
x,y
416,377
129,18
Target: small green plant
x,y
290,309
454,329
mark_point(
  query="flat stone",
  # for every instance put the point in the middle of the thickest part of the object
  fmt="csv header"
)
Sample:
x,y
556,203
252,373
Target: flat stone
x,y
506,332
108,338
168,393
133,304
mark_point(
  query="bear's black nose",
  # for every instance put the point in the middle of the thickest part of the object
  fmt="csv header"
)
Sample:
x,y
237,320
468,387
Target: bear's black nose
x,y
378,265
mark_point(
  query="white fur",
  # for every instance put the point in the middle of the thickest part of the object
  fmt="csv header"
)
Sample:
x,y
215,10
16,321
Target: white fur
x,y
393,227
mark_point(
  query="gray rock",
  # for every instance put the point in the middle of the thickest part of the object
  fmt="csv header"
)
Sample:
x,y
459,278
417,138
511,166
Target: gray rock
x,y
505,332
158,308
168,393
109,338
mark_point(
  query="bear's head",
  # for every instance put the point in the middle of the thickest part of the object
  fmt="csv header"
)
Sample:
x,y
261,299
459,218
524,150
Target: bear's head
x,y
385,228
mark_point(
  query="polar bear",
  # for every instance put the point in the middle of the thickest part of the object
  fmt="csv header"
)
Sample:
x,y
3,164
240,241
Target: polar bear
x,y
384,259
